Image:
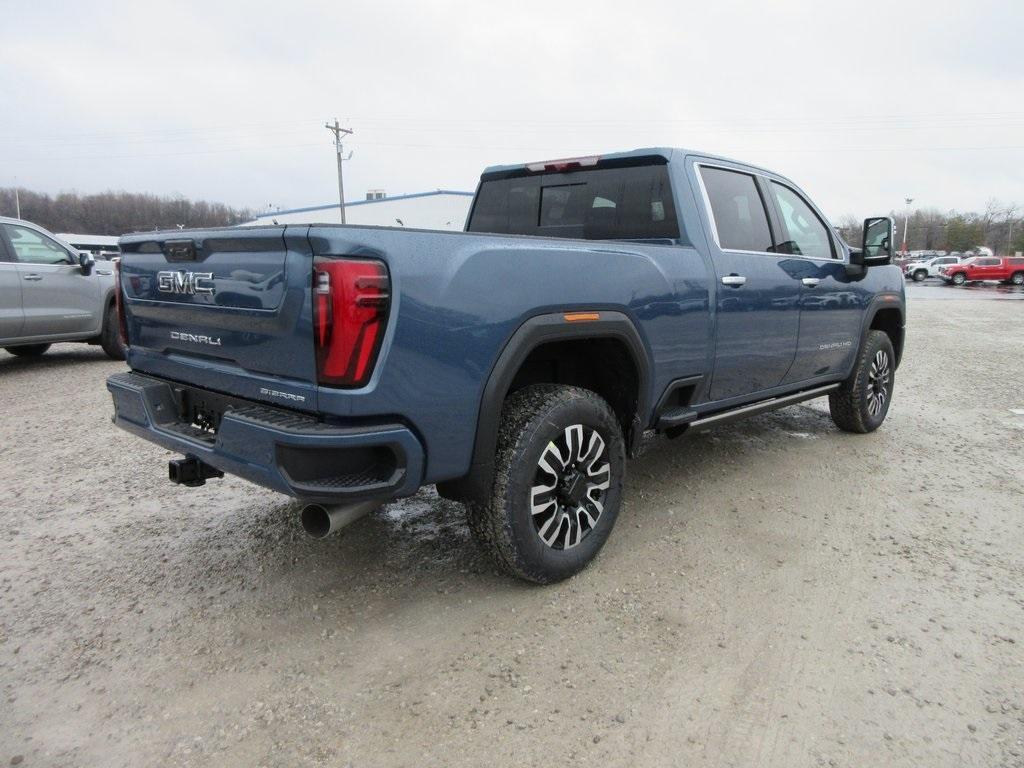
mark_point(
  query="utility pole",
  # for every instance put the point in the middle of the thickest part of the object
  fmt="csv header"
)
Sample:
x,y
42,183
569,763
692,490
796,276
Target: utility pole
x,y
338,131
17,203
906,224
1011,211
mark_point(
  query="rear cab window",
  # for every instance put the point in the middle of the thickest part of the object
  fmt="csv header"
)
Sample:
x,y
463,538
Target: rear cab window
x,y
618,203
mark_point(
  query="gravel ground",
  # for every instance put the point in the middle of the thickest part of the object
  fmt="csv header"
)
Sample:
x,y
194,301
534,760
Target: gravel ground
x,y
776,593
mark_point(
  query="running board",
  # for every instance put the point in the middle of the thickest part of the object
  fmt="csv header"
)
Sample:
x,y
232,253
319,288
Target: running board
x,y
724,417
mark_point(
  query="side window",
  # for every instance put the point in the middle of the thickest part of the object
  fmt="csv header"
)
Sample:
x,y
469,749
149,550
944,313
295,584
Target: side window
x,y
804,233
740,217
31,247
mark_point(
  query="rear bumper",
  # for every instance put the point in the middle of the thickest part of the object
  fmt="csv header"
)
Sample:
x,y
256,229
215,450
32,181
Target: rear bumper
x,y
286,451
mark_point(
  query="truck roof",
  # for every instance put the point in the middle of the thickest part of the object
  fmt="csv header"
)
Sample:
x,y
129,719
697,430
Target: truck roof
x,y
643,152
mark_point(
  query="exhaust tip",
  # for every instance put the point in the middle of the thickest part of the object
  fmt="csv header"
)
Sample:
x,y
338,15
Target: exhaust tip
x,y
316,521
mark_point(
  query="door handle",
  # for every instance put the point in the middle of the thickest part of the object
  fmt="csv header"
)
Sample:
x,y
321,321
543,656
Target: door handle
x,y
810,282
33,276
734,280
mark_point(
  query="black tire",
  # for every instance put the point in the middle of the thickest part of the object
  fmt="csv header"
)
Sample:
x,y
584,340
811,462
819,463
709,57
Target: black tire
x,y
110,337
959,278
28,350
1017,278
541,426
862,402
920,275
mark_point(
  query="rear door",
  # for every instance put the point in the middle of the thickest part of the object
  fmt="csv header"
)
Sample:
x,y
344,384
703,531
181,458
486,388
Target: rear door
x,y
228,310
11,316
987,268
57,299
757,315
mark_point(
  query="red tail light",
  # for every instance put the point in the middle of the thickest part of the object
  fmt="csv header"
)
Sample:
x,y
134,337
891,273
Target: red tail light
x,y
350,310
122,319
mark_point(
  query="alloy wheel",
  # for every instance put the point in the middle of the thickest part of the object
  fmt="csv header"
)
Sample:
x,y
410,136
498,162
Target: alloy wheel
x,y
879,377
570,487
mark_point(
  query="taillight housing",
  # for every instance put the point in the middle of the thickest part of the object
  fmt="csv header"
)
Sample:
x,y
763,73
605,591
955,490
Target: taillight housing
x,y
351,298
122,318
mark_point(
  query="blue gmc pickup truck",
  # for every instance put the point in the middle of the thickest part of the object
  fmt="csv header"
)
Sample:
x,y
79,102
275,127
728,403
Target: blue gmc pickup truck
x,y
590,303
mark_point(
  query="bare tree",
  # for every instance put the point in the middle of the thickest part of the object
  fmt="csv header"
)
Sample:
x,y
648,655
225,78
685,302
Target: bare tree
x,y
115,213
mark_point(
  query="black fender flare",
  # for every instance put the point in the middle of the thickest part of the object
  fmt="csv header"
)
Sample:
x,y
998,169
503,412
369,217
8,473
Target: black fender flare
x,y
882,301
537,330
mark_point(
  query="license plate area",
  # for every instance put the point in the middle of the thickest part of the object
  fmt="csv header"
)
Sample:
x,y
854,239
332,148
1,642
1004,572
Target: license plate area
x,y
201,411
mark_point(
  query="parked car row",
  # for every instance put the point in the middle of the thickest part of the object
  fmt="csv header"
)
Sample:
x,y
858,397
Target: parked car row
x,y
1008,270
955,270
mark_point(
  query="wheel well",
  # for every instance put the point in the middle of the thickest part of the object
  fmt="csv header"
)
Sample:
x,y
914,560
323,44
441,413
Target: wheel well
x,y
602,365
890,322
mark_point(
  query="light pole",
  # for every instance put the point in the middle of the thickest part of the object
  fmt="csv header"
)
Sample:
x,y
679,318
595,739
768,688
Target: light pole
x,y
1011,211
906,223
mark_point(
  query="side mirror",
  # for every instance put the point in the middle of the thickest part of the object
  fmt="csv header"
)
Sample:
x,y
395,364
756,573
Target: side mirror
x,y
86,261
876,245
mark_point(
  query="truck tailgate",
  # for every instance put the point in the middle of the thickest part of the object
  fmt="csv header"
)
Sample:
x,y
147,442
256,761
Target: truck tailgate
x,y
226,309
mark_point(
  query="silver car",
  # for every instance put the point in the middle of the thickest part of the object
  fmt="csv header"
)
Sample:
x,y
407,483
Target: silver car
x,y
50,292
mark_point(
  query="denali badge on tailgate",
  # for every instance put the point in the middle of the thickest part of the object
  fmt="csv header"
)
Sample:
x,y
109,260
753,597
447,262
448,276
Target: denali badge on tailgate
x,y
184,282
196,338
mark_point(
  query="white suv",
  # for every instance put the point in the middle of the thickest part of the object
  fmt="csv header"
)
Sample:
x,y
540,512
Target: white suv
x,y
919,270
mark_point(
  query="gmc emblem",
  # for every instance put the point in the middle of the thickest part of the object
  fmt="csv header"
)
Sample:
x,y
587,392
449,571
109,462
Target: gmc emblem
x,y
184,282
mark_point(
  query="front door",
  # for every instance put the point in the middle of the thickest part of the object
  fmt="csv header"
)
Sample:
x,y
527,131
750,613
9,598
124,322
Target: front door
x,y
831,303
756,300
57,298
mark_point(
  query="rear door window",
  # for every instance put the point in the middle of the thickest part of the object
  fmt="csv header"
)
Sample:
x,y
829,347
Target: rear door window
x,y
740,219
632,203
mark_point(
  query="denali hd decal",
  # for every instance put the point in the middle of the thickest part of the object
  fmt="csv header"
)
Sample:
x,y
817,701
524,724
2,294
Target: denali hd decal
x,y
189,283
282,395
836,345
195,338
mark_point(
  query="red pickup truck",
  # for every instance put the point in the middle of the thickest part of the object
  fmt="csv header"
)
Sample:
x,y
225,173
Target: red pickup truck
x,y
1007,270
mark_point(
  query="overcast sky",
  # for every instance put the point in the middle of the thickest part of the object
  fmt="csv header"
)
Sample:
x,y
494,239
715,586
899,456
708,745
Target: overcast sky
x,y
862,103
